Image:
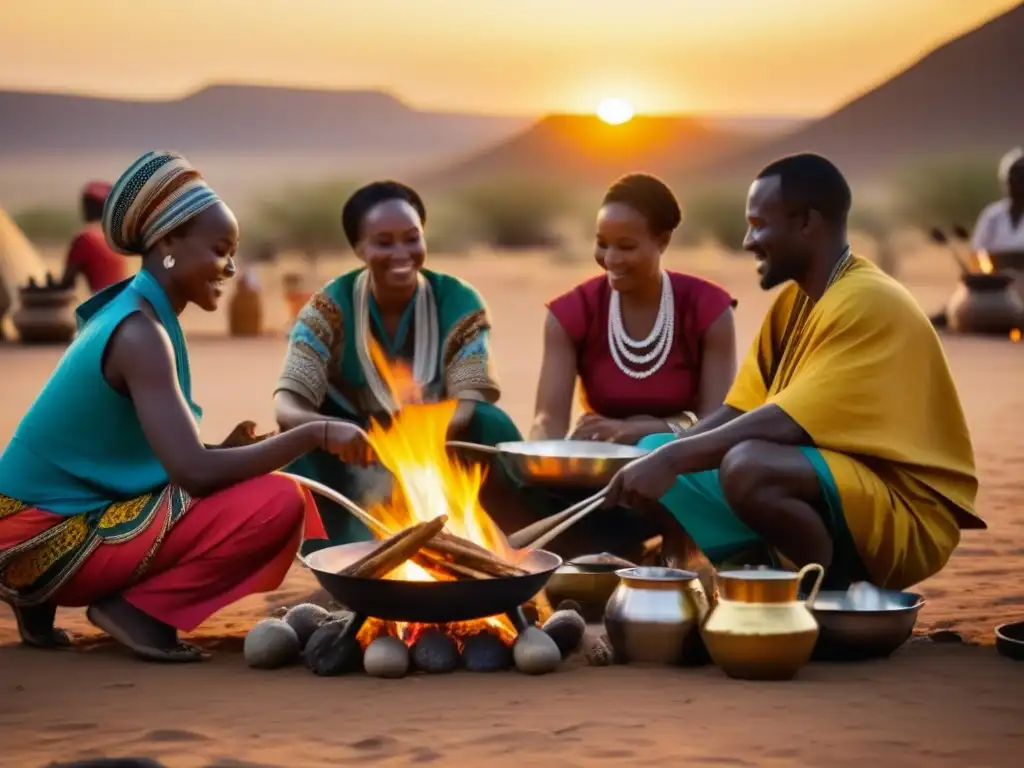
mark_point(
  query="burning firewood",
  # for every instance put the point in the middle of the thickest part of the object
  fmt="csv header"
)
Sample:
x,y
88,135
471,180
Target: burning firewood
x,y
439,565
465,554
395,550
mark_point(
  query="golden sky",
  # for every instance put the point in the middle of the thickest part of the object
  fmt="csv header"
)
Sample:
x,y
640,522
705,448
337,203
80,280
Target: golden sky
x,y
507,56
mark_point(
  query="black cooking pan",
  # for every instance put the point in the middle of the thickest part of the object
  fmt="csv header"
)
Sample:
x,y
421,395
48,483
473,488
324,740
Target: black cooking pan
x,y
427,602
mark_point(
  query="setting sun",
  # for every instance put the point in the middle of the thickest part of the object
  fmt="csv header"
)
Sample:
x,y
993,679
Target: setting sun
x,y
615,111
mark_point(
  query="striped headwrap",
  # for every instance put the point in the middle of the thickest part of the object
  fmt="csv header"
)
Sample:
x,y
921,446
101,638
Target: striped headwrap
x,y
157,194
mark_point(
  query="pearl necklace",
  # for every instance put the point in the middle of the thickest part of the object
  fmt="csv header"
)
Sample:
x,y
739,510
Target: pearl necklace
x,y
659,340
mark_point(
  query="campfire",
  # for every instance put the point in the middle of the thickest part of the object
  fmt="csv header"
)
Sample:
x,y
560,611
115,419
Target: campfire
x,y
418,544
433,528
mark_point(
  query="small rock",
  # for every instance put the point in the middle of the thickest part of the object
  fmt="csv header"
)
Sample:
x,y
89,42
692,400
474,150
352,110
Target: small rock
x,y
330,651
599,652
535,653
306,619
566,628
435,652
569,605
271,644
485,652
387,657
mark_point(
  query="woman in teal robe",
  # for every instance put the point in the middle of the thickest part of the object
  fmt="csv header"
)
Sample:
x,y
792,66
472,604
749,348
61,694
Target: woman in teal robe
x,y
435,323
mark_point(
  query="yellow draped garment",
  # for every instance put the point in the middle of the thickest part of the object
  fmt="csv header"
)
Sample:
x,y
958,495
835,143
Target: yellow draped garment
x,y
864,373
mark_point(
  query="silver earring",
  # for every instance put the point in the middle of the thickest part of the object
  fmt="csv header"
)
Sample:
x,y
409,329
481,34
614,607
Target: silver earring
x,y
168,261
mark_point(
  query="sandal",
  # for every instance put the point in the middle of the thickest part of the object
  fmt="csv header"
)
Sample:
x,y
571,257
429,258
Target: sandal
x,y
180,652
36,629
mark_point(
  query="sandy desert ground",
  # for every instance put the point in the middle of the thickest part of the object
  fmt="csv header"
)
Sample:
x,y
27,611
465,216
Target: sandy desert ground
x,y
953,705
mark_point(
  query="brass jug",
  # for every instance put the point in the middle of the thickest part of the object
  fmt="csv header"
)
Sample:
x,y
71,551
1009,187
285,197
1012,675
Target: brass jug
x,y
759,629
653,615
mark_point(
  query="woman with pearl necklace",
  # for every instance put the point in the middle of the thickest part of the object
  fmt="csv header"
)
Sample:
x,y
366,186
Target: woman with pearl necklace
x,y
653,350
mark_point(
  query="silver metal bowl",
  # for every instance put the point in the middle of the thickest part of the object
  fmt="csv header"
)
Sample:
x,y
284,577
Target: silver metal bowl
x,y
851,630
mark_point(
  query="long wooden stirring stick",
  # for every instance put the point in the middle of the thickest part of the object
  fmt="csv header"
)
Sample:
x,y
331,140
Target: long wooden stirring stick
x,y
525,536
558,530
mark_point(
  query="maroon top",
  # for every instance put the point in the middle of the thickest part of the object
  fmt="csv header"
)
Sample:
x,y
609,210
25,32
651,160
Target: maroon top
x,y
101,265
583,313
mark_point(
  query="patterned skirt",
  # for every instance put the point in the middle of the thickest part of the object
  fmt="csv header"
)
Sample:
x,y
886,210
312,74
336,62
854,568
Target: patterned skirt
x,y
41,552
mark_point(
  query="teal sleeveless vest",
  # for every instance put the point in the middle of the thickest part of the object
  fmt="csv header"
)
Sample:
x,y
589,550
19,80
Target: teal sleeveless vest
x,y
81,447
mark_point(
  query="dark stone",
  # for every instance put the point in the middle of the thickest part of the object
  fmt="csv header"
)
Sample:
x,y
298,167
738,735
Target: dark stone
x,y
485,652
566,628
435,652
330,651
305,619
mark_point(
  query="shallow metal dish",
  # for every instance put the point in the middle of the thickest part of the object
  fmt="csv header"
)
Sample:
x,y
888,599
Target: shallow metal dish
x,y
1010,640
848,632
574,464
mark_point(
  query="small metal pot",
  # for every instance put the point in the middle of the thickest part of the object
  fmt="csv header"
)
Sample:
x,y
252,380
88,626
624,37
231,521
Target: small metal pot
x,y
589,580
654,614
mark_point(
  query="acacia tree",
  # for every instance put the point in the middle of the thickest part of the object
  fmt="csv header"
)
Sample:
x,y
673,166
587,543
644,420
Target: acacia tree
x,y
306,218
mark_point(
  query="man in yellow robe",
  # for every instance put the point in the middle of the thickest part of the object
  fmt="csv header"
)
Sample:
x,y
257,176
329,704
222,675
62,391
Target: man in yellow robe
x,y
842,441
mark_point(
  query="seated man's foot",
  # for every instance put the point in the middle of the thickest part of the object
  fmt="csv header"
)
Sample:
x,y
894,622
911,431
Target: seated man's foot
x,y
141,633
36,627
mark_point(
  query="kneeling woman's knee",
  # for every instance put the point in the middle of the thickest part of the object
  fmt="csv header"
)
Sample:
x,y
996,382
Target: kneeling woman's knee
x,y
744,474
281,500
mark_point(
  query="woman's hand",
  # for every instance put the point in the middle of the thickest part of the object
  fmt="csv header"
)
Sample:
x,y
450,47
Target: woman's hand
x,y
630,431
346,441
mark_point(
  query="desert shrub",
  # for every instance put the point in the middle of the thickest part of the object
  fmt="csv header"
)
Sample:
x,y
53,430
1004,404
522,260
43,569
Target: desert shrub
x,y
719,213
304,218
48,225
945,192
516,213
450,229
877,222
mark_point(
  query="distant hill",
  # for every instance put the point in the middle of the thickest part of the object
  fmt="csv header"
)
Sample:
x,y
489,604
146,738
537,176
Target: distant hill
x,y
963,97
585,150
240,119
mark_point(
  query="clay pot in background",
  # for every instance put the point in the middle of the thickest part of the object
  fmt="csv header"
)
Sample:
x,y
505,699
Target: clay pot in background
x,y
1010,263
46,315
296,294
985,304
245,312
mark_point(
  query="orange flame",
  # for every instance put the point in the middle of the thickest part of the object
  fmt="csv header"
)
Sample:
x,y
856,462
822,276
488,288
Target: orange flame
x,y
1015,335
985,263
428,483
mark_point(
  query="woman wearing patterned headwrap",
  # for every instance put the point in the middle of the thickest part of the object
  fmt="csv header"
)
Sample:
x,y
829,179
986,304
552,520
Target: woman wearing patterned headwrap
x,y
108,498
434,322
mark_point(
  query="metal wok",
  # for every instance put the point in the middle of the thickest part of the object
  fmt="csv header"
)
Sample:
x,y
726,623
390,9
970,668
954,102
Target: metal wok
x,y
427,602
570,464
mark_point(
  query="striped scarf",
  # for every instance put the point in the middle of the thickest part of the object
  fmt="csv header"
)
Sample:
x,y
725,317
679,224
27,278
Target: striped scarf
x,y
157,194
